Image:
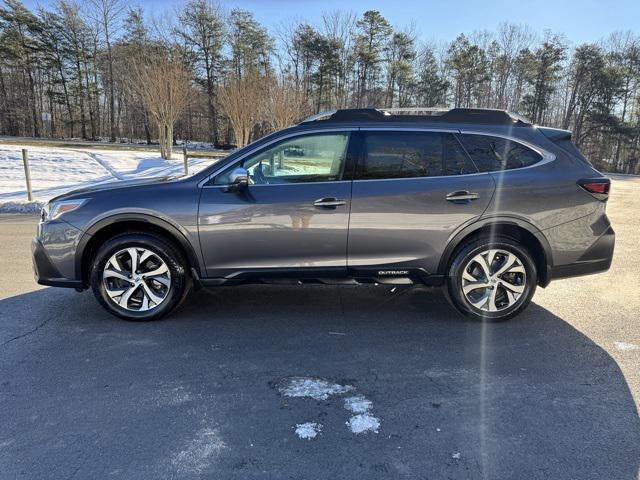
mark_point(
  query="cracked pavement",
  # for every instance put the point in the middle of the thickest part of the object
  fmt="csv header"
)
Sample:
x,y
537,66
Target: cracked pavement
x,y
550,394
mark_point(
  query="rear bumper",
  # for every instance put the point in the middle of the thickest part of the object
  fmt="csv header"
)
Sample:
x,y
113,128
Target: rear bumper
x,y
45,272
595,260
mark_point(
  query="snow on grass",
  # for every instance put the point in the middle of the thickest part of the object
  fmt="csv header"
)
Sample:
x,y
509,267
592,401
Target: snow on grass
x,y
51,169
55,171
363,423
315,388
309,430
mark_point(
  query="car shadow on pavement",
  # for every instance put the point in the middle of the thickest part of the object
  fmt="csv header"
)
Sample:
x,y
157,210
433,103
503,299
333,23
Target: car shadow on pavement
x,y
194,395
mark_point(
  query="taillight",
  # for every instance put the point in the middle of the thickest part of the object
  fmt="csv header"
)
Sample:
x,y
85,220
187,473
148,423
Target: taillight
x,y
598,187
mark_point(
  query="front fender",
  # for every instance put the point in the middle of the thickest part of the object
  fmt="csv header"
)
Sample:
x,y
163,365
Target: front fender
x,y
157,219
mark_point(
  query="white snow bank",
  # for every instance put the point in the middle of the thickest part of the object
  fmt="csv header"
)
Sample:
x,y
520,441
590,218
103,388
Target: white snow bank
x,y
17,206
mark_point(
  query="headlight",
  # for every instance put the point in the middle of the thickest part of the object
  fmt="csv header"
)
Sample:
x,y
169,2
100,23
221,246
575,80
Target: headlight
x,y
53,210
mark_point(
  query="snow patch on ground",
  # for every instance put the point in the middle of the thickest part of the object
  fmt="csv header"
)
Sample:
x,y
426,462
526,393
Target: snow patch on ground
x,y
315,388
319,389
309,430
625,347
363,423
357,404
199,453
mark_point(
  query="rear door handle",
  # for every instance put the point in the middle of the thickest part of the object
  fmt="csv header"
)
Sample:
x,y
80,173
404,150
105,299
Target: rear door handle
x,y
330,202
461,196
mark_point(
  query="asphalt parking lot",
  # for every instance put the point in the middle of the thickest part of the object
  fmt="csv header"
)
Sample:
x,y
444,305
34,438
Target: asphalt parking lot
x,y
552,394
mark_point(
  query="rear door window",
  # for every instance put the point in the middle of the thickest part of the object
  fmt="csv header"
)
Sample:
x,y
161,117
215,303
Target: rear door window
x,y
397,154
496,153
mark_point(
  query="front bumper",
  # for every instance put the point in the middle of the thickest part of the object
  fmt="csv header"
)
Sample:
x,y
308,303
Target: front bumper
x,y
45,271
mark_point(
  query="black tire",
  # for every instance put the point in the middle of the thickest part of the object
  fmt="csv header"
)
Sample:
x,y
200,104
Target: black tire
x,y
180,281
460,260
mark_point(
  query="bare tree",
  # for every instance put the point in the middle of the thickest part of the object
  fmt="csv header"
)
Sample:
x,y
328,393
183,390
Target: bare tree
x,y
241,100
107,14
338,27
164,85
284,104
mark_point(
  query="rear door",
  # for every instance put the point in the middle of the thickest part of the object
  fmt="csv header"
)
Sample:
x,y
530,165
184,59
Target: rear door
x,y
411,191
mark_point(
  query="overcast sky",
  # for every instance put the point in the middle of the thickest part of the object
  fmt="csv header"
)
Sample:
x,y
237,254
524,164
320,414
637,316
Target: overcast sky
x,y
579,20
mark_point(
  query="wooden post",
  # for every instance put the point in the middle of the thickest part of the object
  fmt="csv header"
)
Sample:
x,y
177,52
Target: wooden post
x,y
27,174
186,158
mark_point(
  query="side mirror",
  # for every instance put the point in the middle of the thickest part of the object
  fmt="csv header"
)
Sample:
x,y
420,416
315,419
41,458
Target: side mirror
x,y
238,179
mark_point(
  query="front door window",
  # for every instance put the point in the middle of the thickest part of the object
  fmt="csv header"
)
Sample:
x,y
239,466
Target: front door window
x,y
305,158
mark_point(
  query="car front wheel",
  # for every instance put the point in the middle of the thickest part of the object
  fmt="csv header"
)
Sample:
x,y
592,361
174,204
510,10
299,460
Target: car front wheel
x,y
139,276
492,279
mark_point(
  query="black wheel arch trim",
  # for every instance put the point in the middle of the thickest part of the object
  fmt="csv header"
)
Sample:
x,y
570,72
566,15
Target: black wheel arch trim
x,y
485,223
174,231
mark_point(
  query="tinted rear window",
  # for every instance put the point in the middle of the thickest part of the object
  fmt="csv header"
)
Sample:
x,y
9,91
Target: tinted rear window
x,y
412,154
496,153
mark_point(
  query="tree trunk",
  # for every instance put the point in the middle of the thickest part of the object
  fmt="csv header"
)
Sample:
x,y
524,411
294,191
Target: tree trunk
x,y
147,131
34,106
168,139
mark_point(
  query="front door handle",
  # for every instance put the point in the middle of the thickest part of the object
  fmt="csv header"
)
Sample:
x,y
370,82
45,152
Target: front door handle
x,y
461,196
331,202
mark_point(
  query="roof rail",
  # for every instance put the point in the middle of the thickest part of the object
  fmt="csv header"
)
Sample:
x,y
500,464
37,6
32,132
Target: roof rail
x,y
454,115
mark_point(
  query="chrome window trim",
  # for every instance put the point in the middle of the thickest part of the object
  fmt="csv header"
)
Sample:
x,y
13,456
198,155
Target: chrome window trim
x,y
257,185
421,178
202,183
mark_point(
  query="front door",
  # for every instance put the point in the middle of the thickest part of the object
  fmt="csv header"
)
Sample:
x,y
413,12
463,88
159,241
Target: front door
x,y
412,190
294,214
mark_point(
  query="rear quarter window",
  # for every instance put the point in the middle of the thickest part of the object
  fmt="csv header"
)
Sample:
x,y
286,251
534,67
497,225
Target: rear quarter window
x,y
496,153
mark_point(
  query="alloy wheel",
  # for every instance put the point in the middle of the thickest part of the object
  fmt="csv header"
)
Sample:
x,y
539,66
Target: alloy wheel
x,y
494,280
136,279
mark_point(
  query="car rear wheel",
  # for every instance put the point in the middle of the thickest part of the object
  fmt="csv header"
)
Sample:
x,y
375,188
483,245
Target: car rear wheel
x,y
491,279
139,276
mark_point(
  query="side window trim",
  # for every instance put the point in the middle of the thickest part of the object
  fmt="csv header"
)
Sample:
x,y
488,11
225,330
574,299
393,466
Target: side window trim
x,y
547,157
207,182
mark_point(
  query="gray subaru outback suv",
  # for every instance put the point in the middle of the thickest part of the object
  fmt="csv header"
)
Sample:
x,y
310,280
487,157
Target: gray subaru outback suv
x,y
479,202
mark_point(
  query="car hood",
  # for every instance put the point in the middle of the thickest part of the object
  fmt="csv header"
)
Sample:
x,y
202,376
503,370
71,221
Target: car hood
x,y
113,186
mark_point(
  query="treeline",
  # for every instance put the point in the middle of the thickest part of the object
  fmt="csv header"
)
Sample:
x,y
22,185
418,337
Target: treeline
x,y
101,69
